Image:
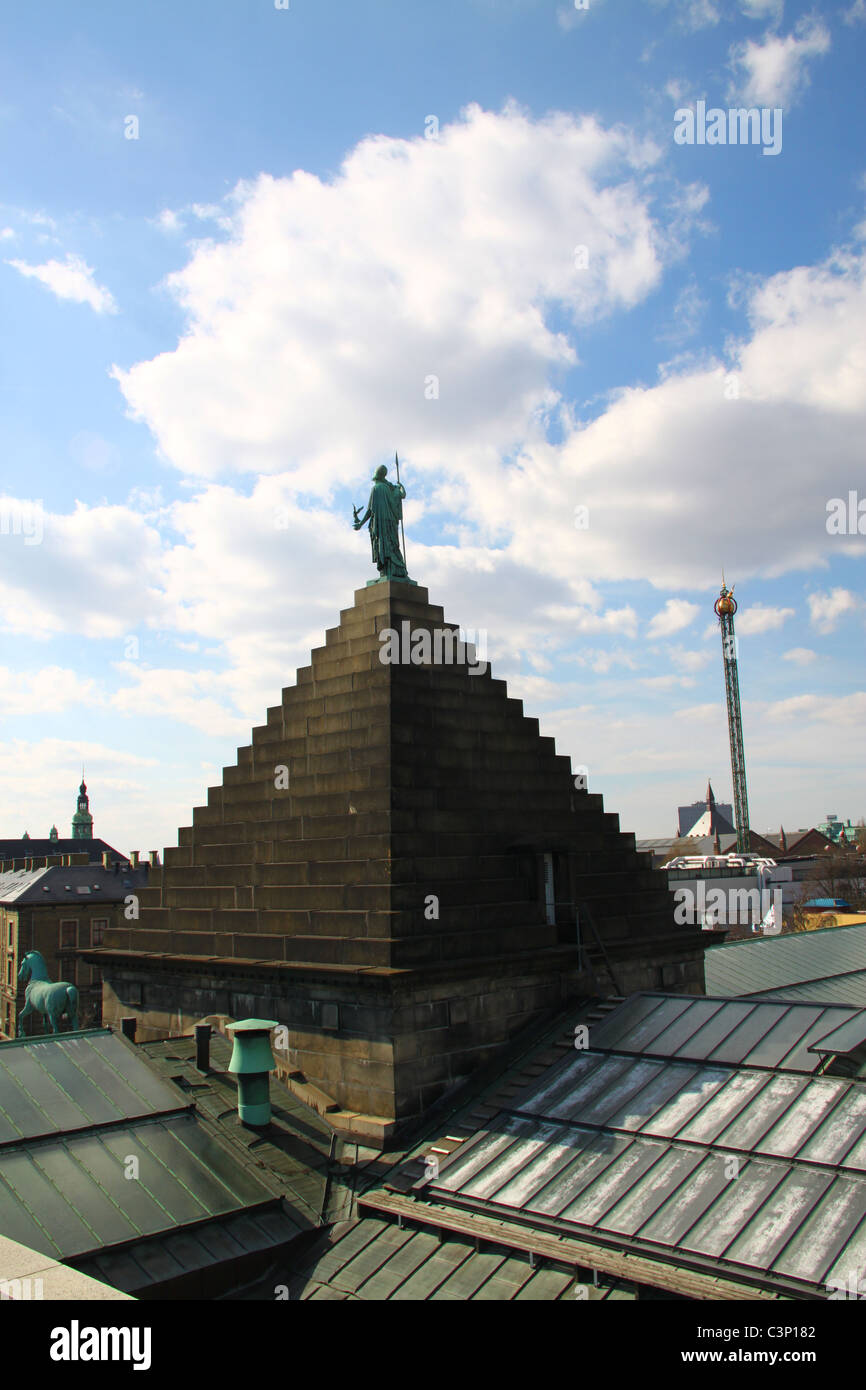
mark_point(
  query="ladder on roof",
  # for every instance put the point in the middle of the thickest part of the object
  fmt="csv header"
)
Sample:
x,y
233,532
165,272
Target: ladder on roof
x,y
584,915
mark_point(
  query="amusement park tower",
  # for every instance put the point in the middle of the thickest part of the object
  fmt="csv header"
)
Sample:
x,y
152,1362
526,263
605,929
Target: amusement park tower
x,y
725,607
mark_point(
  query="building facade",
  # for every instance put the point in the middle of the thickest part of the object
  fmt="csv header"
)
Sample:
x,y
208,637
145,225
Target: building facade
x,y
59,909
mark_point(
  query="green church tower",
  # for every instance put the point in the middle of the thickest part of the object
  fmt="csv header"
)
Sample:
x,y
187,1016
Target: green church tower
x,y
82,821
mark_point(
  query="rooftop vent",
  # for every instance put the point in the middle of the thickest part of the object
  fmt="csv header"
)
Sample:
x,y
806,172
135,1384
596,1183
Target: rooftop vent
x,y
252,1061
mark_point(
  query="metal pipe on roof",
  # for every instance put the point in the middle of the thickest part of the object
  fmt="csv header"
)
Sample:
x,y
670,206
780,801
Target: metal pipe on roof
x,y
202,1047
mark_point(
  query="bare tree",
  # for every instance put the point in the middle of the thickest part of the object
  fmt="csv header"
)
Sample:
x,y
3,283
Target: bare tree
x,y
839,873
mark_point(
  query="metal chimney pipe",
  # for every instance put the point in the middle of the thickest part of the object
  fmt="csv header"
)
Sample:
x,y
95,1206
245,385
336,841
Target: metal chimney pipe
x,y
202,1047
153,858
106,859
252,1061
133,858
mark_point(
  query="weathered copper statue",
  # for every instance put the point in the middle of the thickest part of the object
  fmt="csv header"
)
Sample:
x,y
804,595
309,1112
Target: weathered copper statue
x,y
385,514
43,997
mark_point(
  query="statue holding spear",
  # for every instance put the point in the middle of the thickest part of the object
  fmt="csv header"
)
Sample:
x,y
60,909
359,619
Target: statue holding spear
x,y
385,515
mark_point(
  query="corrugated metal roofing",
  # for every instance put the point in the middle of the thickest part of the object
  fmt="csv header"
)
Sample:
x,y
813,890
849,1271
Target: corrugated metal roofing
x,y
371,1259
74,1112
17,881
721,1152
66,884
62,1083
837,989
770,963
738,1032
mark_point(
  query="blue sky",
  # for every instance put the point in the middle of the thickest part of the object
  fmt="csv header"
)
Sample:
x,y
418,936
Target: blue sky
x,y
237,243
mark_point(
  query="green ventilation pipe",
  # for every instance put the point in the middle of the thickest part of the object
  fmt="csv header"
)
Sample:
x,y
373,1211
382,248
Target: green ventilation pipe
x,y
252,1061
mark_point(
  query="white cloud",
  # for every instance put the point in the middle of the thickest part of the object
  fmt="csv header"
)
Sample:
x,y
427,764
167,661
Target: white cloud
x,y
822,709
700,14
70,279
763,9
689,661
774,70
757,618
97,572
601,662
688,310
825,610
856,14
569,16
7,234
169,221
800,656
186,697
47,691
676,614
692,15
319,298
677,89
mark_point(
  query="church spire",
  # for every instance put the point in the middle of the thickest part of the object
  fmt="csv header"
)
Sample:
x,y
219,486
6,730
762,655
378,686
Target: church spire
x,y
82,821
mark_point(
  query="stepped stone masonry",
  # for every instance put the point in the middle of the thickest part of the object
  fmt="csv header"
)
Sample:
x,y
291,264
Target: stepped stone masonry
x,y
394,870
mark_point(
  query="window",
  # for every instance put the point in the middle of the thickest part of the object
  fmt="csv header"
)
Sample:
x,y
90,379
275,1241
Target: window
x,y
98,927
10,970
68,935
555,891
549,899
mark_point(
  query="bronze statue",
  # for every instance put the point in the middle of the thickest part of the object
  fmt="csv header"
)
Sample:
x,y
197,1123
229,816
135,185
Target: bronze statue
x,y
385,515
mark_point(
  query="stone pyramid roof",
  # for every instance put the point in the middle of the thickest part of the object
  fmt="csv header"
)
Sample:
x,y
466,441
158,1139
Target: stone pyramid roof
x,y
388,828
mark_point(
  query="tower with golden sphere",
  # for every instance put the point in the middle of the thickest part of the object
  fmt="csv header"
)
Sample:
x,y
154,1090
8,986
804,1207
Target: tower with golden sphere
x,y
725,607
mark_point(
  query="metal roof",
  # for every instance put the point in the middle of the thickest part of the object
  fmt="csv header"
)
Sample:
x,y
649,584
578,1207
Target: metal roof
x,y
74,1110
72,883
36,849
770,963
15,882
372,1259
73,1081
837,989
691,1130
750,1033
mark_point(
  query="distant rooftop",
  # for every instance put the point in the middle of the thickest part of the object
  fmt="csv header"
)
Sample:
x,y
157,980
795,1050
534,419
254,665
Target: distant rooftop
x,y
40,849
827,965
74,883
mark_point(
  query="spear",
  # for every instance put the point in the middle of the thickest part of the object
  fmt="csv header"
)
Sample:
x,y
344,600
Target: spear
x,y
402,530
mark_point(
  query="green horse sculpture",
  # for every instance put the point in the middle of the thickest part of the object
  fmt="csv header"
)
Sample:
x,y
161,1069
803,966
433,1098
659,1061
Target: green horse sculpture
x,y
43,997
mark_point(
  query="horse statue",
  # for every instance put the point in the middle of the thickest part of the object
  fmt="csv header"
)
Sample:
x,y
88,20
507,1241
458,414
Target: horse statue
x,y
43,997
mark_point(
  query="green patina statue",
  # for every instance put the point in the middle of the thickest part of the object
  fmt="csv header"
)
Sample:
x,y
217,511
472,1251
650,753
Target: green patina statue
x,y
385,515
43,997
